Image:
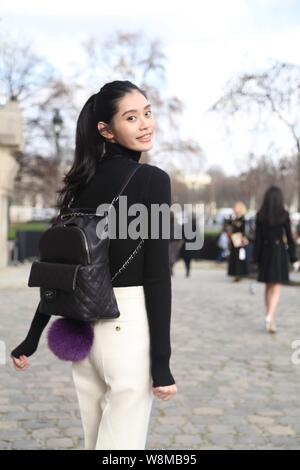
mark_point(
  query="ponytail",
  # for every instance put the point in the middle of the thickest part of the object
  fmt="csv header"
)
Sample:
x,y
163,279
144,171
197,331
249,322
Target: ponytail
x,y
89,147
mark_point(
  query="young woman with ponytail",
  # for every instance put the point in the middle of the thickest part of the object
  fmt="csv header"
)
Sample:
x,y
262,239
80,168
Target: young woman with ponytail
x,y
129,360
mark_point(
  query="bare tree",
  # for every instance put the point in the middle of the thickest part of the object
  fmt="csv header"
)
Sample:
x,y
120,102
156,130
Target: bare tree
x,y
22,71
260,173
270,94
30,79
38,117
37,176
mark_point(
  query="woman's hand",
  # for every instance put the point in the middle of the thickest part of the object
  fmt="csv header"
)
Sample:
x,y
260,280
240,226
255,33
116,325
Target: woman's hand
x,y
21,363
245,241
166,392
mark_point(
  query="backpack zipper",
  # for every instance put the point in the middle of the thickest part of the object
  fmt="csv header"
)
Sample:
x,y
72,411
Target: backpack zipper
x,y
75,276
86,245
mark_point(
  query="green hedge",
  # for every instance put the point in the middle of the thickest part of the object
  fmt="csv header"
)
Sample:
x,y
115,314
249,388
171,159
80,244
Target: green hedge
x,y
212,233
28,226
41,226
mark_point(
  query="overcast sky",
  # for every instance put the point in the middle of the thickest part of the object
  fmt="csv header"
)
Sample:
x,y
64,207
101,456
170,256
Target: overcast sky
x,y
206,43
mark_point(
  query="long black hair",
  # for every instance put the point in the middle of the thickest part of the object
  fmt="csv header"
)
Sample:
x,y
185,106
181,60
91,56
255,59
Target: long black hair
x,y
272,210
89,143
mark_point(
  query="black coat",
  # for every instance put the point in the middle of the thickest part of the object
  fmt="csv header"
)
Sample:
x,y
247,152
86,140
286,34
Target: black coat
x,y
273,248
236,266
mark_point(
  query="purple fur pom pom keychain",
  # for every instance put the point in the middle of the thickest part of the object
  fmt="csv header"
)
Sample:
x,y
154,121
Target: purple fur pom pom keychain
x,y
70,340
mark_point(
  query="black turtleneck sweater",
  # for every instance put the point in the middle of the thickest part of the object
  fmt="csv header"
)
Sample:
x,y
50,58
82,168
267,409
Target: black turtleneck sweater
x,y
150,268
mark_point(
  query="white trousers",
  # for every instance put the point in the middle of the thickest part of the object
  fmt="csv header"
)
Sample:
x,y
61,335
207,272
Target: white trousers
x,y
113,383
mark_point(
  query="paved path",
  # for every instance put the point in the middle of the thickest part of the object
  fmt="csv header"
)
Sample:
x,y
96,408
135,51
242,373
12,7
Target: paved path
x,y
238,387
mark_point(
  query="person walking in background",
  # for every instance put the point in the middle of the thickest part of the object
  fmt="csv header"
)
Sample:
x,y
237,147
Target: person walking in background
x,y
238,263
273,247
185,254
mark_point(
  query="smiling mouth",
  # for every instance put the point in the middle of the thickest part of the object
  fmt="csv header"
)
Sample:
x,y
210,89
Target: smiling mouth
x,y
145,137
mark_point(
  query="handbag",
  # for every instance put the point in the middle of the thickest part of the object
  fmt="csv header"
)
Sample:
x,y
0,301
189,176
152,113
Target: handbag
x,y
73,271
242,254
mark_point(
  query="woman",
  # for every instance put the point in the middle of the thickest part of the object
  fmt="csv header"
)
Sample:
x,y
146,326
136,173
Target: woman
x,y
273,245
238,262
129,360
187,254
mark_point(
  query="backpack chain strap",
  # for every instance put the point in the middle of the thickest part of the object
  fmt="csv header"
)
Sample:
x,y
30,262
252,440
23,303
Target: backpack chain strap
x,y
94,214
128,261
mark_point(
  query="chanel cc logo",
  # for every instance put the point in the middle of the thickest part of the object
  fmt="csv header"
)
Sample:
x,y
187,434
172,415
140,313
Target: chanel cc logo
x,y
49,294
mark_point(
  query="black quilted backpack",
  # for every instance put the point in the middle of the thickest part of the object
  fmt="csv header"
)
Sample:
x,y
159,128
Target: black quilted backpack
x,y
73,271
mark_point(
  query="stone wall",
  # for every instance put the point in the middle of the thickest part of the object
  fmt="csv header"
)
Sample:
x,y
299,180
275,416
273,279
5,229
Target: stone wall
x,y
11,141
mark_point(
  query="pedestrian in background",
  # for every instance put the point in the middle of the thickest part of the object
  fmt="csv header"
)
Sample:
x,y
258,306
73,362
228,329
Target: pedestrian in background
x,y
274,246
223,245
188,254
238,263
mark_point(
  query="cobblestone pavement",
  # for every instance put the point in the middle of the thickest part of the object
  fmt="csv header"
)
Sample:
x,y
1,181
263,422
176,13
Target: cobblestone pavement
x,y
238,387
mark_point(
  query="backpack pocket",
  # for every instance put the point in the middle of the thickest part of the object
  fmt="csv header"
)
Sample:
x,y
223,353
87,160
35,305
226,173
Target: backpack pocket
x,y
74,291
51,277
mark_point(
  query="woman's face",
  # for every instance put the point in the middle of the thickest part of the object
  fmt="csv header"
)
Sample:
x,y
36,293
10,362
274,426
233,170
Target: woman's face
x,y
238,209
133,125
